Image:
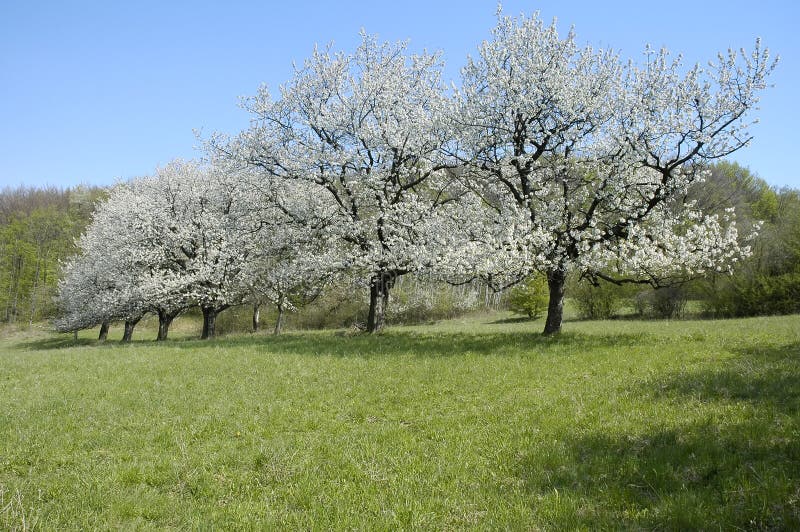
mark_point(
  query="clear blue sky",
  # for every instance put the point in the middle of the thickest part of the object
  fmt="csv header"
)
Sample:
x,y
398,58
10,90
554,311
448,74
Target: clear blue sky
x,y
92,91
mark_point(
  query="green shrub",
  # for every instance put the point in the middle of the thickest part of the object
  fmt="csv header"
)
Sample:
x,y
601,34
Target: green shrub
x,y
530,298
753,296
598,302
339,306
237,319
666,302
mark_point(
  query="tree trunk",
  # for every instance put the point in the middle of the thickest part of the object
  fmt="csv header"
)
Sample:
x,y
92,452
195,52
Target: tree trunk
x,y
127,336
279,320
16,281
8,305
164,321
210,321
256,316
34,289
378,301
556,279
103,336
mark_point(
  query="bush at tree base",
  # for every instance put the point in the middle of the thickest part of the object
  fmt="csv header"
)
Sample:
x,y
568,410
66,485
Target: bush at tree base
x,y
665,302
529,298
598,302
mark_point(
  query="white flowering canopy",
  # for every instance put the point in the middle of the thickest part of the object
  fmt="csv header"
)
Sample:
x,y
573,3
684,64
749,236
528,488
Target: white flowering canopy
x,y
187,235
104,281
365,131
597,154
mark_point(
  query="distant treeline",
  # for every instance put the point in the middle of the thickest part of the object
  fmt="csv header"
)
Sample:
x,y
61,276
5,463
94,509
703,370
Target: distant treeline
x,y
38,227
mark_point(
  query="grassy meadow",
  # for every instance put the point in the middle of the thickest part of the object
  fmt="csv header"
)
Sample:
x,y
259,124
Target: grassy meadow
x,y
472,423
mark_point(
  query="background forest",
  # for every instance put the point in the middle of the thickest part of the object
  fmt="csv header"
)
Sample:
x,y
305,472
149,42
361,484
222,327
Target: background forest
x,y
38,228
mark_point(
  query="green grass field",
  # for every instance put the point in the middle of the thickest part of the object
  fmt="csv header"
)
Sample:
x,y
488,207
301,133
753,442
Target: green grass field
x,y
474,423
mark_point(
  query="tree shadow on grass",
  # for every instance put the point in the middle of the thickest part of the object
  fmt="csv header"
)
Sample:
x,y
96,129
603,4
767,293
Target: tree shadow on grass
x,y
429,345
443,344
698,476
55,342
515,319
740,468
759,375
787,353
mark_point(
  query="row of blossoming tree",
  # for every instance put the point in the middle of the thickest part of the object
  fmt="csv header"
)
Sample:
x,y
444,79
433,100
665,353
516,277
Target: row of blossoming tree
x,y
548,158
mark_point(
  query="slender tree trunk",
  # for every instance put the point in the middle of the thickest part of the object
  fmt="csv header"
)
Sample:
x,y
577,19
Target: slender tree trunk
x,y
279,320
8,305
556,279
75,335
256,316
17,282
8,301
375,316
378,301
127,336
210,321
103,336
34,289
